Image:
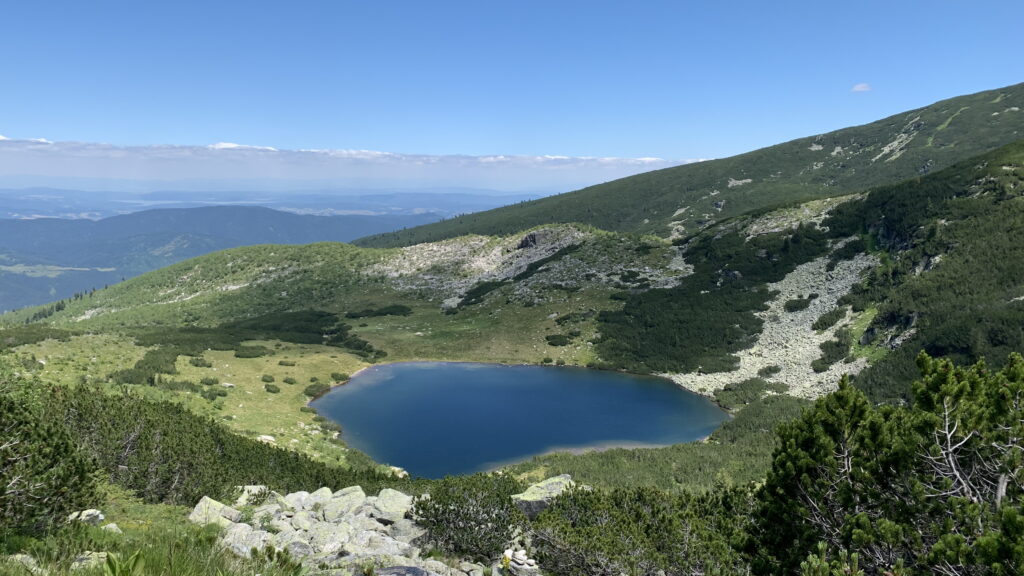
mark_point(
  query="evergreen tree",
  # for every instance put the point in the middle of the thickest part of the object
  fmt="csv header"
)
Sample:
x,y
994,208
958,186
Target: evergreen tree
x,y
43,475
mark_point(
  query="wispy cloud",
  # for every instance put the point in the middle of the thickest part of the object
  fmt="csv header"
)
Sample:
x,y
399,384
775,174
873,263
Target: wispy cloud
x,y
861,87
226,165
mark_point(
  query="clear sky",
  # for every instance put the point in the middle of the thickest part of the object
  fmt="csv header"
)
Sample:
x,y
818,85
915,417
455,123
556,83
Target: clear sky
x,y
671,80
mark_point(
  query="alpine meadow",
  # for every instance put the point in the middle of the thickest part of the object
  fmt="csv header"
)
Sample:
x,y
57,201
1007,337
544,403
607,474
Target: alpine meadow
x,y
853,301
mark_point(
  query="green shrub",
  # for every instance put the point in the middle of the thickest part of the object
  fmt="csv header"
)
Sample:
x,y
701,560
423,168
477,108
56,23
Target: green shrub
x,y
392,310
212,394
289,380
339,376
547,360
44,476
557,340
252,351
769,371
642,531
740,394
272,388
267,378
200,362
471,516
317,389
829,319
209,381
834,350
286,363
797,304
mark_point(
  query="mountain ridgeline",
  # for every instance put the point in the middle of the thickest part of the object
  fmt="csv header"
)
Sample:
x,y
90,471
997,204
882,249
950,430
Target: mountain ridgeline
x,y
680,201
47,259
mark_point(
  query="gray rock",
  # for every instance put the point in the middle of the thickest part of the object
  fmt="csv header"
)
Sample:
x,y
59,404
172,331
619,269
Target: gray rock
x,y
342,503
294,542
320,497
112,527
265,511
406,531
472,569
25,562
304,520
538,497
281,525
91,517
435,567
209,511
89,559
391,505
362,522
297,500
241,539
410,571
328,538
369,543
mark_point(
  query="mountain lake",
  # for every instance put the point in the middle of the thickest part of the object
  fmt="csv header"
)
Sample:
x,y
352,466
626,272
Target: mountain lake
x,y
444,418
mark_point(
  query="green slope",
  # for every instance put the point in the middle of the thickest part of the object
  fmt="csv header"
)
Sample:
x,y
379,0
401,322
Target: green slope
x,y
681,200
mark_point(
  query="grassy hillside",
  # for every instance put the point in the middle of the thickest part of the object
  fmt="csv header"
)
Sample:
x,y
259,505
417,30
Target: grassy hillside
x,y
679,201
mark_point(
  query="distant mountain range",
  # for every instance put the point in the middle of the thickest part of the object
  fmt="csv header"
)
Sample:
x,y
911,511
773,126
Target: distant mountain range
x,y
37,202
679,201
47,259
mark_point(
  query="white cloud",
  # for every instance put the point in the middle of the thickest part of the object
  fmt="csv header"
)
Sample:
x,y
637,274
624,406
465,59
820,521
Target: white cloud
x,y
861,87
2,137
226,165
233,146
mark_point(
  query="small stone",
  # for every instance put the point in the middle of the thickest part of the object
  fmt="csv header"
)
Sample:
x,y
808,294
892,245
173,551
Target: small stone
x,y
112,527
89,559
91,517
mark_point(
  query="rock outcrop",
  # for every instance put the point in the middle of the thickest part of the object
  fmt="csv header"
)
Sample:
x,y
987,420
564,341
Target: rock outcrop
x,y
538,497
342,530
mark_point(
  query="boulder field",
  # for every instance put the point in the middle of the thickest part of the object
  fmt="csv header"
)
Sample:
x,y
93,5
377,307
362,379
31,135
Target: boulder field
x,y
346,531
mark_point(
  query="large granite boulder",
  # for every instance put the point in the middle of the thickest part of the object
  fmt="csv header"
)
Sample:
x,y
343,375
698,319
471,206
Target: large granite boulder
x,y
209,511
538,497
369,543
342,503
329,538
391,505
242,538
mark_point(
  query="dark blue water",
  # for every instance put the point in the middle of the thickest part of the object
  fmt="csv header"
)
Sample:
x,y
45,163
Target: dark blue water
x,y
439,418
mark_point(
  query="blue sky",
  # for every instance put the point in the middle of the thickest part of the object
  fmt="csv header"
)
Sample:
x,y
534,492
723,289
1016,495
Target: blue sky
x,y
670,80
